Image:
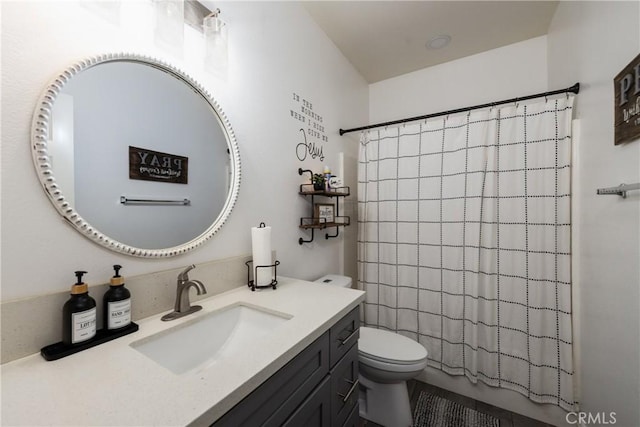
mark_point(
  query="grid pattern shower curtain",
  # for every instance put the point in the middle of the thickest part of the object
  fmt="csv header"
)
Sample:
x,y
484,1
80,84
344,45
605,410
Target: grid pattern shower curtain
x,y
464,243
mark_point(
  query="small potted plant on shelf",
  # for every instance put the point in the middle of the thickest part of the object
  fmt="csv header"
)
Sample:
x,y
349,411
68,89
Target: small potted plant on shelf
x,y
318,181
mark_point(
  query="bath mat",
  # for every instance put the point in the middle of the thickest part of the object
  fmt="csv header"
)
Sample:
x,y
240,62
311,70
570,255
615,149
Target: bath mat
x,y
436,411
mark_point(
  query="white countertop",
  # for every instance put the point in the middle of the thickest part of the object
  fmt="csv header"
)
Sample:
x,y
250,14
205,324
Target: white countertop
x,y
113,384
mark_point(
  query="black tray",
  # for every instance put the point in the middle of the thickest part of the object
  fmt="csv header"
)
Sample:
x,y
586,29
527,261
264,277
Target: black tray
x,y
59,350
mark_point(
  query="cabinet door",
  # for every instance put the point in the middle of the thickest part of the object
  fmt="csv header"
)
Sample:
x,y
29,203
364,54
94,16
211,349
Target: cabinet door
x,y
344,334
354,418
273,401
315,411
344,387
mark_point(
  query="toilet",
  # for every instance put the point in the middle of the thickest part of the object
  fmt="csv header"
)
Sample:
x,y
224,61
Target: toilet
x,y
386,361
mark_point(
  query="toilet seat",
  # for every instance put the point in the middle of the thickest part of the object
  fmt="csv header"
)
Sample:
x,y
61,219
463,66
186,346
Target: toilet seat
x,y
391,367
390,351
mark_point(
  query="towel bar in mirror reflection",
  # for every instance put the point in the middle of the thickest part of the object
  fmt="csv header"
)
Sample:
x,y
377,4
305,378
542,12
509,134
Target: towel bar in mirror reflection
x,y
140,201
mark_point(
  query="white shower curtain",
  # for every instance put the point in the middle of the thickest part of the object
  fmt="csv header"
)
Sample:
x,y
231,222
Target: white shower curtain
x,y
464,243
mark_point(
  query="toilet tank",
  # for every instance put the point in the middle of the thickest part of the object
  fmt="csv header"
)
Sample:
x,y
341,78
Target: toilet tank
x,y
335,280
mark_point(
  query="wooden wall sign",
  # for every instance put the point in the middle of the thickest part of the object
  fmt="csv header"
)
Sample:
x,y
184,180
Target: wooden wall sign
x,y
627,103
149,165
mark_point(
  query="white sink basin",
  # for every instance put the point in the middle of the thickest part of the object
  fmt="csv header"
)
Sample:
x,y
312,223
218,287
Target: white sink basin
x,y
200,342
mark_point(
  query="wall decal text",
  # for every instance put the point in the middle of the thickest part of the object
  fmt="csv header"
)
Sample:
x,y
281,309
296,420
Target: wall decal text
x,y
312,130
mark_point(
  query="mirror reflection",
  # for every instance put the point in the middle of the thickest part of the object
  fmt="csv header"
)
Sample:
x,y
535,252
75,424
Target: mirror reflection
x,y
142,154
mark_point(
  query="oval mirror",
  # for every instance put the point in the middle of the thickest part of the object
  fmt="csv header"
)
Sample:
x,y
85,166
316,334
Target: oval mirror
x,y
136,155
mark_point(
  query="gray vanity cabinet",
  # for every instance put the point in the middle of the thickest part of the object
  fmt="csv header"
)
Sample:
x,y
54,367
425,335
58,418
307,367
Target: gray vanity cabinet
x,y
344,387
344,334
315,411
317,388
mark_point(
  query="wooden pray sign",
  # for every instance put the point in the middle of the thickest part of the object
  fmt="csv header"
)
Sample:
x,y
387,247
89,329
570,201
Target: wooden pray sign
x,y
149,165
627,103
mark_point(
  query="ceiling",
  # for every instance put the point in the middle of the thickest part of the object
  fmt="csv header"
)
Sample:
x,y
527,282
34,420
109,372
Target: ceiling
x,y
384,39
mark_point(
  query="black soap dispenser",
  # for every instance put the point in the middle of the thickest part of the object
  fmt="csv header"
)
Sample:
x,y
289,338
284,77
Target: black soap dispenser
x,y
79,314
117,303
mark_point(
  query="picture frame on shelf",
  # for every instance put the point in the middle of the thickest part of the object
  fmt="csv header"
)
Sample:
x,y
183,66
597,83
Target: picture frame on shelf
x,y
324,213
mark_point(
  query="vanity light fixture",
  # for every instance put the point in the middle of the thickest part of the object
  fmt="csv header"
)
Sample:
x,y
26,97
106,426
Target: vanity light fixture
x,y
109,10
215,41
439,42
169,25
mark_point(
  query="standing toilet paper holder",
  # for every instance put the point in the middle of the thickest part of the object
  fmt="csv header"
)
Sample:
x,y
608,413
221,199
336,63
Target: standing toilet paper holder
x,y
252,284
263,258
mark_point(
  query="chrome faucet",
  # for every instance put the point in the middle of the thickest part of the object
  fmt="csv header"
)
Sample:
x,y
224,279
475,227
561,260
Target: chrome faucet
x,y
183,305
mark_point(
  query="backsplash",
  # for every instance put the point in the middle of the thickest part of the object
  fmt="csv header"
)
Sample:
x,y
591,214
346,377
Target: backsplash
x,y
29,324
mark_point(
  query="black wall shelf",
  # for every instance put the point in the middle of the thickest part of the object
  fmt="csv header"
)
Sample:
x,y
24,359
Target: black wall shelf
x,y
312,222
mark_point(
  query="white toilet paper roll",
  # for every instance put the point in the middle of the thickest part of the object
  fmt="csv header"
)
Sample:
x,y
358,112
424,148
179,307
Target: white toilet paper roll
x,y
261,248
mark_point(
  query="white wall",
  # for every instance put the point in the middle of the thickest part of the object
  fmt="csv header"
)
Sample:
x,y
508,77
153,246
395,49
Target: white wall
x,y
275,49
503,73
591,42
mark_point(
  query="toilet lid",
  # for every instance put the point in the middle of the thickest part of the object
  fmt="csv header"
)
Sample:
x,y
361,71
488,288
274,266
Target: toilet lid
x,y
390,347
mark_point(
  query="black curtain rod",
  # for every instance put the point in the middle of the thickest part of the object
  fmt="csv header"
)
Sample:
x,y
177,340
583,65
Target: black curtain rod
x,y
573,89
